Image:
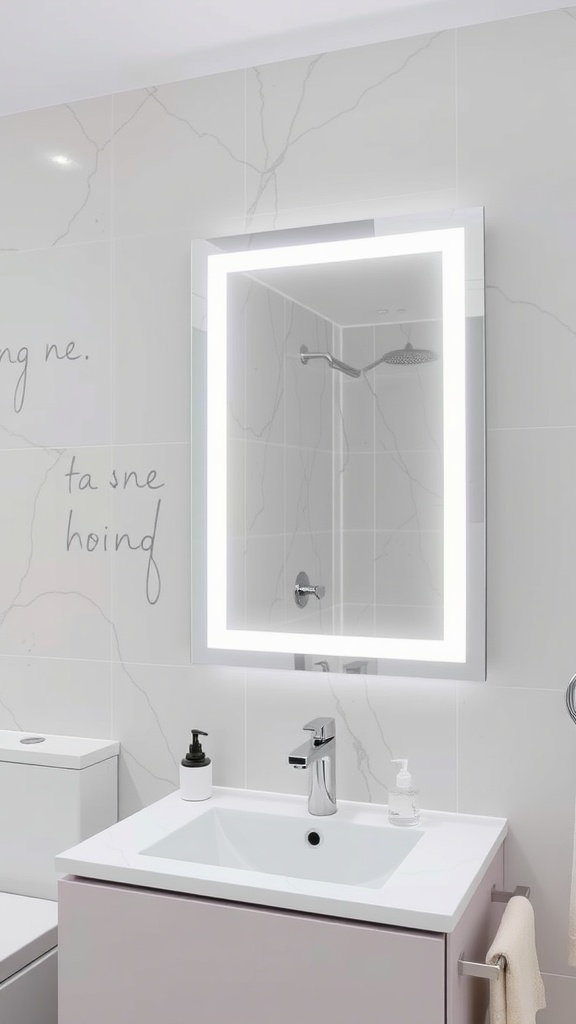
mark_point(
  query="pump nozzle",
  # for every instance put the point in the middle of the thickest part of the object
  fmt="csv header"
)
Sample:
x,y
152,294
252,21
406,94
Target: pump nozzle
x,y
196,755
403,778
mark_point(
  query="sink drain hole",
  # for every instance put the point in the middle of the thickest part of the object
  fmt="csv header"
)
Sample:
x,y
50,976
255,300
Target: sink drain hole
x,y
313,838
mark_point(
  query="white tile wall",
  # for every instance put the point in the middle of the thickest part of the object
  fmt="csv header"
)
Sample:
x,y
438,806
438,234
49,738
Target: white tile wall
x,y
482,116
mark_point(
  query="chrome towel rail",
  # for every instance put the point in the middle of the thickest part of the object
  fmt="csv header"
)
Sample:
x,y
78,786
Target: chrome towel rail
x,y
491,971
571,698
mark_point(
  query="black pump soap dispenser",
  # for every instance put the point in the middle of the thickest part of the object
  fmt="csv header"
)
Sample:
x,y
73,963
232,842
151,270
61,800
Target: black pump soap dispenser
x,y
196,771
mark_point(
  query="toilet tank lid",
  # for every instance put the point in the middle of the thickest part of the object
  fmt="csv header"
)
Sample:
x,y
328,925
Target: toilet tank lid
x,y
54,751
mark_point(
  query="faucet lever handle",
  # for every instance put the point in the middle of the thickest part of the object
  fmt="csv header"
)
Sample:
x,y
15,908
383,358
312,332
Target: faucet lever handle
x,y
323,728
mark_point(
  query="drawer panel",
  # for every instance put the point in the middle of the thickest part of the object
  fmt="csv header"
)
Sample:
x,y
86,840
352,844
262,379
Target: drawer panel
x,y
131,954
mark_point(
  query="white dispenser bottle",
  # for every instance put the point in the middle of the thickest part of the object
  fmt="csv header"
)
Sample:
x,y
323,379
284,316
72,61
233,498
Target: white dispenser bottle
x,y
403,802
196,771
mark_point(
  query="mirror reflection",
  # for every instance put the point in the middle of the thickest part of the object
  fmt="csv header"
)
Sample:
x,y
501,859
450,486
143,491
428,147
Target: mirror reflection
x,y
335,448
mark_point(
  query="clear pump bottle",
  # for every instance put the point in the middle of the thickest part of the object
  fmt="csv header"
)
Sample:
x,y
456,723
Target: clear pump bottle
x,y
403,798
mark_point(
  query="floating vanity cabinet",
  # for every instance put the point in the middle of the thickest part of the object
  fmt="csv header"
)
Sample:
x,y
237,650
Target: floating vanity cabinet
x,y
138,955
131,954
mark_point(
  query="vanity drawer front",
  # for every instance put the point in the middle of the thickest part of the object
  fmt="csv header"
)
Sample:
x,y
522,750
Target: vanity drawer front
x,y
131,954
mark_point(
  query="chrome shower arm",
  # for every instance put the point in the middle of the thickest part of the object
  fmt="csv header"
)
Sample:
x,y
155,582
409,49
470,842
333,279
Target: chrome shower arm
x,y
335,364
376,363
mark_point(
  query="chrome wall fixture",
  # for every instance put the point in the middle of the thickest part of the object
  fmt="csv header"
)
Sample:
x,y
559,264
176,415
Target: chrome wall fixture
x,y
333,363
491,971
303,590
571,699
407,356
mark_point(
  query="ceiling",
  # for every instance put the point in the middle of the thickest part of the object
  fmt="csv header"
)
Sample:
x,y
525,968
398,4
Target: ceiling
x,y
365,292
67,50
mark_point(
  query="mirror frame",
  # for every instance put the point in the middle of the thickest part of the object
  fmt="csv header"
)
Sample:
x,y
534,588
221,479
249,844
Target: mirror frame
x,y
458,238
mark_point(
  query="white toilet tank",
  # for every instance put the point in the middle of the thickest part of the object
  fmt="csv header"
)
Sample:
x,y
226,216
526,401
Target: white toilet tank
x,y
54,792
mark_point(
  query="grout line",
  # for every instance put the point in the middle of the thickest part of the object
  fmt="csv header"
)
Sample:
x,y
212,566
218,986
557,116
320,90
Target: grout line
x,y
95,447
112,393
560,426
245,728
456,115
245,205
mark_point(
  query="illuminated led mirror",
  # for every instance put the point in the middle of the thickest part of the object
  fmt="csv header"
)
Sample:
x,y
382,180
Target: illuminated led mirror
x,y
338,421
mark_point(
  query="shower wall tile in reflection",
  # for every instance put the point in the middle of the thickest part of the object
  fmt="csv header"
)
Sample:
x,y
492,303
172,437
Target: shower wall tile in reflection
x,y
280,508
391,483
309,387
264,346
408,567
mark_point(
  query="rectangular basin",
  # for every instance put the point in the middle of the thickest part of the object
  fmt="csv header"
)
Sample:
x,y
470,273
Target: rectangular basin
x,y
254,848
324,850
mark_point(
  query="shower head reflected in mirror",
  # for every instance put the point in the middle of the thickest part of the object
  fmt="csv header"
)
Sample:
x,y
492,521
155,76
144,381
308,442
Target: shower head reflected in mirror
x,y
407,356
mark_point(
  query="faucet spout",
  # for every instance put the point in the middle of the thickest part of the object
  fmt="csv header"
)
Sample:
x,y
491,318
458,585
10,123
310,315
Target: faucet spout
x,y
319,754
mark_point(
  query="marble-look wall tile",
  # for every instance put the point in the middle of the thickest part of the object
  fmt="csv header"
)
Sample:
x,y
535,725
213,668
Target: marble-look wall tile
x,y
417,621
151,513
310,552
56,578
55,346
265,509
264,579
308,387
55,175
265,349
358,491
517,758
409,490
179,157
527,191
311,124
351,206
240,288
359,567
309,489
376,719
151,370
409,567
154,709
359,619
56,695
409,398
532,553
280,467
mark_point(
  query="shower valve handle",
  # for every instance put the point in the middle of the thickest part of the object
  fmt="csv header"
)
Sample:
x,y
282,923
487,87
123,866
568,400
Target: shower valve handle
x,y
303,590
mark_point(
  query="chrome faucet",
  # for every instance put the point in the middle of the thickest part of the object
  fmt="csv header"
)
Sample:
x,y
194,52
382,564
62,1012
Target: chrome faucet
x,y
319,754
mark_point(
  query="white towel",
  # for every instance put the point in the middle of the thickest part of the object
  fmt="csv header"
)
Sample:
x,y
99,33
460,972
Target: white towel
x,y
519,992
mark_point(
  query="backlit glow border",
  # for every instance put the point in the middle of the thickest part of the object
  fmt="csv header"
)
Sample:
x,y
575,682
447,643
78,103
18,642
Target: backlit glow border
x,y
452,648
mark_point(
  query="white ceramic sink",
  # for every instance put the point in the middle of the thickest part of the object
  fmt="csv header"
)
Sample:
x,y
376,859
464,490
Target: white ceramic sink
x,y
324,849
252,847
